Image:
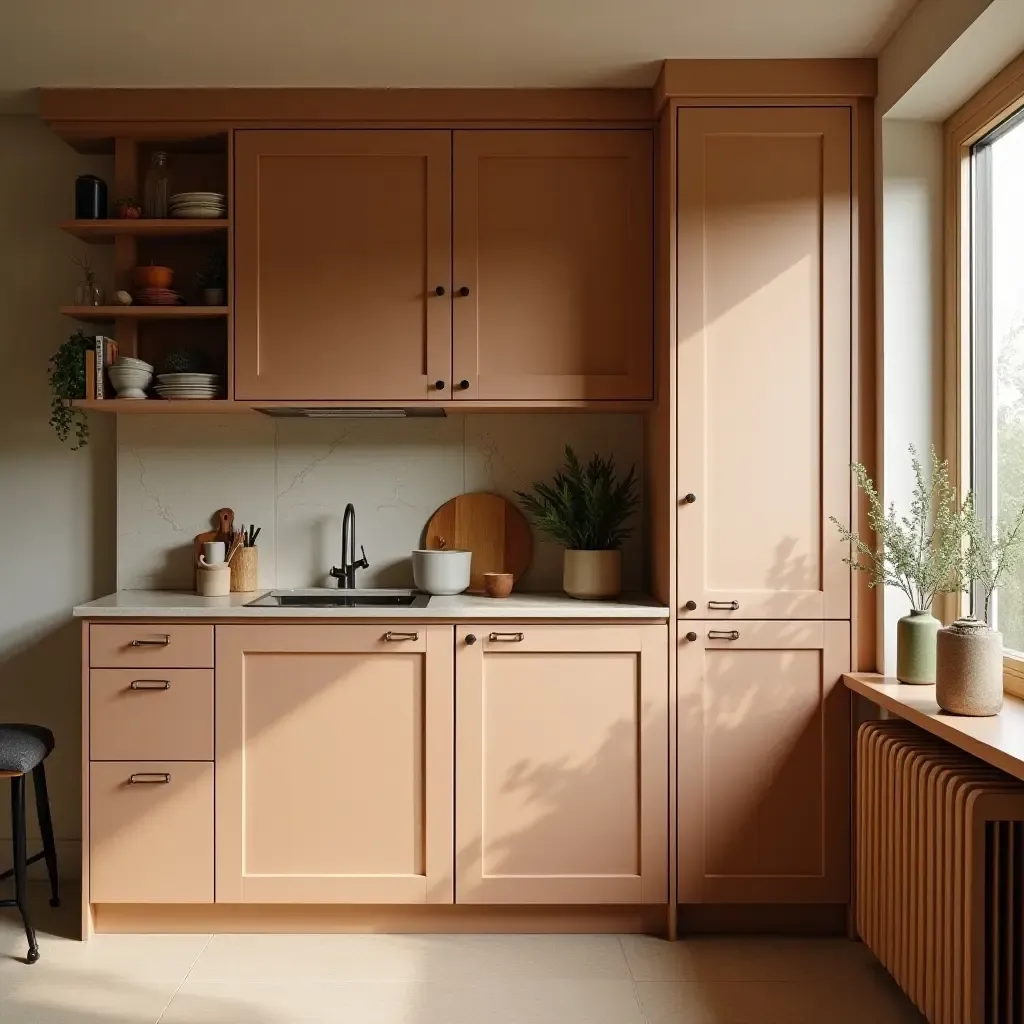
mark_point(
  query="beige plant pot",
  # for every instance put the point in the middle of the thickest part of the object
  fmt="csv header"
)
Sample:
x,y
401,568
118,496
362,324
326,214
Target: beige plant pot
x,y
969,678
589,575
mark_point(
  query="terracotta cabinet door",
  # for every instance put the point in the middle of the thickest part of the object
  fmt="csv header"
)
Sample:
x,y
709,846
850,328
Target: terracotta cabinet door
x,y
764,330
764,762
562,764
334,764
553,247
341,238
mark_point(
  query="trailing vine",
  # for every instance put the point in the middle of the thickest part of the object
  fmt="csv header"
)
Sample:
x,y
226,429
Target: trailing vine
x,y
67,381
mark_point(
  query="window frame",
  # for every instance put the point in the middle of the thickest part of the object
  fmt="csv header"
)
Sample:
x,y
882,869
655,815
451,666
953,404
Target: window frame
x,y
994,104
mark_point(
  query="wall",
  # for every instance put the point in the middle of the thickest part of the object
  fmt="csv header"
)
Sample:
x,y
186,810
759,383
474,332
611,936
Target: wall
x,y
56,506
293,477
912,238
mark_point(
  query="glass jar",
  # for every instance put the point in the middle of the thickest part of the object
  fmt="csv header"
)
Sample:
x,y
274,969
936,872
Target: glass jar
x,y
90,293
154,193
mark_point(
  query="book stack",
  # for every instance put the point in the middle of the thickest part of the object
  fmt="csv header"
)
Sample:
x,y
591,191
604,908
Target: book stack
x,y
97,362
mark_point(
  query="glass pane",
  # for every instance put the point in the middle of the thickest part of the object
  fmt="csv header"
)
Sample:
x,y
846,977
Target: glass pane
x,y
1007,319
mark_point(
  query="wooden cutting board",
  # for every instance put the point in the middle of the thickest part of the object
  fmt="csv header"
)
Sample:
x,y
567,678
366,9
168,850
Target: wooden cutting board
x,y
488,525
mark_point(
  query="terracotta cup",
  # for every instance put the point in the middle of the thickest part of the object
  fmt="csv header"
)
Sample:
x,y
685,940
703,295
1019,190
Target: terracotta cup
x,y
498,584
152,277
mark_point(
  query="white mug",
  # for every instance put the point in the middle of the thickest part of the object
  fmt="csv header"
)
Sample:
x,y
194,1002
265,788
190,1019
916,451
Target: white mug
x,y
213,551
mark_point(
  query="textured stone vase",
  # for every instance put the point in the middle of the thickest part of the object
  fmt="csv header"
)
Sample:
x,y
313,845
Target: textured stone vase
x,y
969,678
915,648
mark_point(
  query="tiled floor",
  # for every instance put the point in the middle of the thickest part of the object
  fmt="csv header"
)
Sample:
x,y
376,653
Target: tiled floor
x,y
405,979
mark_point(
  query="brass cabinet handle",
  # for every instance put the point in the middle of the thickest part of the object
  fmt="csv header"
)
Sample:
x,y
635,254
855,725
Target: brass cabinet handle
x,y
723,634
149,778
725,606
151,684
689,499
162,642
390,637
506,638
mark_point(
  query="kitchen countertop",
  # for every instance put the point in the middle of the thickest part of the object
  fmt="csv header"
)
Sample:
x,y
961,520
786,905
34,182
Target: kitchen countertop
x,y
166,604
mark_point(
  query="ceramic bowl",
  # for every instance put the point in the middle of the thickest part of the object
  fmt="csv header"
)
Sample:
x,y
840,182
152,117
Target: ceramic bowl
x,y
498,584
129,381
441,572
152,277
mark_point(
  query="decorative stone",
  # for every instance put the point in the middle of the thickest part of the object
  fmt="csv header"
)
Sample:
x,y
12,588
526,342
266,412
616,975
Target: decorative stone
x,y
969,679
915,648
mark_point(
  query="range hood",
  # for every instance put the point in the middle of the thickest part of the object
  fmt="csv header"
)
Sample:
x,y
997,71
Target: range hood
x,y
353,413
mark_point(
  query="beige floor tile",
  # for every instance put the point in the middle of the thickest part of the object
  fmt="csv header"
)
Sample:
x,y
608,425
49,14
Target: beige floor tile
x,y
405,1002
772,1002
134,957
419,958
83,995
742,959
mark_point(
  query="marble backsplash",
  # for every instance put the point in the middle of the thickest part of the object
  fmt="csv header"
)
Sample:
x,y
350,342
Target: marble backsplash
x,y
293,477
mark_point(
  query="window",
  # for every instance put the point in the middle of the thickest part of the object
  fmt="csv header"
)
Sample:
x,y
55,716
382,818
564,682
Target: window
x,y
997,349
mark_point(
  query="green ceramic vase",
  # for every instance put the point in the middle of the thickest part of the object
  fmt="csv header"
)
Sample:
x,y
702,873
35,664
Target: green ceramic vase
x,y
916,642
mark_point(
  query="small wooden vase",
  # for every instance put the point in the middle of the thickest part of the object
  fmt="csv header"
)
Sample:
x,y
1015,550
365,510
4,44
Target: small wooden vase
x,y
245,570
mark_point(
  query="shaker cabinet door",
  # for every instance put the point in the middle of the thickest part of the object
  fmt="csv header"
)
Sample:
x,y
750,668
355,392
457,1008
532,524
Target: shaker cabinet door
x,y
562,764
763,762
553,288
334,764
764,334
341,240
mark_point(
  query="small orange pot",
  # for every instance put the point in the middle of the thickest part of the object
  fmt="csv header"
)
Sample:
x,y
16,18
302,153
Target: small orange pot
x,y
152,277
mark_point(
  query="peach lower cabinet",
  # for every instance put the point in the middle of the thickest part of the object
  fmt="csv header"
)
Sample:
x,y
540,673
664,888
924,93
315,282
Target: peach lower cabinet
x,y
377,763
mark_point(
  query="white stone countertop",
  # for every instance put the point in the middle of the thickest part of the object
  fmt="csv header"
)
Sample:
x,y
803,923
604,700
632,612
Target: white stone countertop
x,y
165,604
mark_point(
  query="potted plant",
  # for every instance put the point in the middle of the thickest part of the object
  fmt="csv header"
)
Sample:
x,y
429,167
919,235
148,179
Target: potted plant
x,y
969,675
67,381
213,279
585,508
919,554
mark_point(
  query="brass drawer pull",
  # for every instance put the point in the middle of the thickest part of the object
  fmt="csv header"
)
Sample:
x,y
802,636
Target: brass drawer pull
x,y
390,637
506,638
723,634
150,778
724,606
163,642
151,684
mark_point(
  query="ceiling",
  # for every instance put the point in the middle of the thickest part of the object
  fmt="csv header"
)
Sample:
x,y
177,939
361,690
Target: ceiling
x,y
412,43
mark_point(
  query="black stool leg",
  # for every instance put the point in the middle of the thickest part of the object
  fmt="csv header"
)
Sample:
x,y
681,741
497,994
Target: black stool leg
x,y
20,867
46,830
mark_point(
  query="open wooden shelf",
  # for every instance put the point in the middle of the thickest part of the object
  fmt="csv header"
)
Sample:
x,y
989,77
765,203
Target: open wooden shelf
x,y
108,230
160,405
102,314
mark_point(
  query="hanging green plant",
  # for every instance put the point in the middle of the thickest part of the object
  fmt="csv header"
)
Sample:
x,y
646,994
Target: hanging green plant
x,y
67,381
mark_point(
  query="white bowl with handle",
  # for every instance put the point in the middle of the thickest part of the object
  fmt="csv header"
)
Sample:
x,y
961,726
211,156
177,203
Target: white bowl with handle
x,y
442,573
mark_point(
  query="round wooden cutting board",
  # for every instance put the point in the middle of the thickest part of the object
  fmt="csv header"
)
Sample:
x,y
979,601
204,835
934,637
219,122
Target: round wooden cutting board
x,y
488,525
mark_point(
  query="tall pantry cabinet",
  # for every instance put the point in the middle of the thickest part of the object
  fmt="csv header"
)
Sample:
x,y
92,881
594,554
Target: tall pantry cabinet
x,y
763,284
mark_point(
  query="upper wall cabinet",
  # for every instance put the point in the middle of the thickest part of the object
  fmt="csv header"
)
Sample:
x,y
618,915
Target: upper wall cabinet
x,y
553,264
367,269
341,238
764,332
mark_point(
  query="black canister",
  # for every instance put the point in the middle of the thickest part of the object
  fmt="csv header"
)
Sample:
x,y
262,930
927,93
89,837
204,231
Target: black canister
x,y
90,197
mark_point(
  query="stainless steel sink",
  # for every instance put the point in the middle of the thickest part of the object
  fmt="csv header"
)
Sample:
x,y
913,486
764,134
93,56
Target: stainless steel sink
x,y
322,597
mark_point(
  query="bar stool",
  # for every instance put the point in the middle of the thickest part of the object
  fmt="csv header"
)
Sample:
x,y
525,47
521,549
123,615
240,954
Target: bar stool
x,y
23,749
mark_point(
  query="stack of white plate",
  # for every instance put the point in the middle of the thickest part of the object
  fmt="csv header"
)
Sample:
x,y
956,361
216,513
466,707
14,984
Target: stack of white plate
x,y
188,385
198,204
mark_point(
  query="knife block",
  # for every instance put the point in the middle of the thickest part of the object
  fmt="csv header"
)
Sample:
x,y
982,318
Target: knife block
x,y
245,570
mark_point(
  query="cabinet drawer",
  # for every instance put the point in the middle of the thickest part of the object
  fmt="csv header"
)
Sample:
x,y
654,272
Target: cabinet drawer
x,y
151,715
151,839
161,645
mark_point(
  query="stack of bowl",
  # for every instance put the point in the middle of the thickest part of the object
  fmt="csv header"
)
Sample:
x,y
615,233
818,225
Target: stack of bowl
x,y
130,377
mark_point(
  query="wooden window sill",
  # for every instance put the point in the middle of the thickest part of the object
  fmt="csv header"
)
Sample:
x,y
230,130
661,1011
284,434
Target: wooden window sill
x,y
998,740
